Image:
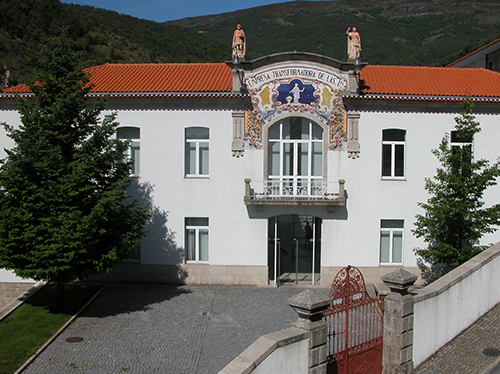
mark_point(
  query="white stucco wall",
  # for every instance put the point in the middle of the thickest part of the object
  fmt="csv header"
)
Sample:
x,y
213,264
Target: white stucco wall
x,y
451,304
9,277
371,198
290,359
11,117
238,234
218,197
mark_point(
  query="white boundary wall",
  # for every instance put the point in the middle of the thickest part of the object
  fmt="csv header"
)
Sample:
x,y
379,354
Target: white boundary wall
x,y
291,358
452,303
284,351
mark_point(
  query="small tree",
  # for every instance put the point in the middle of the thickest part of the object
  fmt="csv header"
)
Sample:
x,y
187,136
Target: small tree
x,y
455,217
64,212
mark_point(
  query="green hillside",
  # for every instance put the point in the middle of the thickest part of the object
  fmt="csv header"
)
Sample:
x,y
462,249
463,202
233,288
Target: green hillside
x,y
103,36
410,32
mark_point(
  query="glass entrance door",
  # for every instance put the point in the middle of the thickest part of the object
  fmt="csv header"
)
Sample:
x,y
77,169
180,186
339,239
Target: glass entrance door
x,y
294,249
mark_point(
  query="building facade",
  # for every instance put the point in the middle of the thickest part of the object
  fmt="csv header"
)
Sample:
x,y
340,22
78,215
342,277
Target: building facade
x,y
487,57
286,168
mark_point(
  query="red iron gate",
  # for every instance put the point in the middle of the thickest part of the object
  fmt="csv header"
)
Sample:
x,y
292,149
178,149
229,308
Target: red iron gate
x,y
355,326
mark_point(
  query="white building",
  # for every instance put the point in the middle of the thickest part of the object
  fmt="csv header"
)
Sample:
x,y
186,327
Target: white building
x,y
282,169
488,57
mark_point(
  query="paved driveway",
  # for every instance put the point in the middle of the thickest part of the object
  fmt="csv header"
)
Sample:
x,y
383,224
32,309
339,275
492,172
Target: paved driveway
x,y
134,328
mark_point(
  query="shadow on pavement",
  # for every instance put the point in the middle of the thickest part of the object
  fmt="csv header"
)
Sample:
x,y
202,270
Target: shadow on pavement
x,y
119,298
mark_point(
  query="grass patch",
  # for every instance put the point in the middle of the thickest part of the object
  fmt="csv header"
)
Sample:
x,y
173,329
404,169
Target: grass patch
x,y
26,329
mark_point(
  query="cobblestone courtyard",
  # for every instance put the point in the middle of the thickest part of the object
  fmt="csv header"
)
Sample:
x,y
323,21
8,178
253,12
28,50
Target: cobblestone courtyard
x,y
133,328
166,329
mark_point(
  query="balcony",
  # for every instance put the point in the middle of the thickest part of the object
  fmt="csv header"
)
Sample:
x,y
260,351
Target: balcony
x,y
311,192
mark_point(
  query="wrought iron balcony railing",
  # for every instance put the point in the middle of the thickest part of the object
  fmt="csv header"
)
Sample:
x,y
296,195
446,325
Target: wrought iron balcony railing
x,y
296,191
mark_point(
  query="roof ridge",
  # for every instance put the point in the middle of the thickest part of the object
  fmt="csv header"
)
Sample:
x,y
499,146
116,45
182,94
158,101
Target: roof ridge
x,y
484,69
473,52
433,67
156,63
407,66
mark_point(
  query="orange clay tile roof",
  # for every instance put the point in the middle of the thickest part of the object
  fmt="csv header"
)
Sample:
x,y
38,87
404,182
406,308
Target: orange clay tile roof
x,y
135,78
430,81
391,82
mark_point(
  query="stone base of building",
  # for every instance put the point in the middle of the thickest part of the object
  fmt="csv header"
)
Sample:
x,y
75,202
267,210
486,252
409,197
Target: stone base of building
x,y
226,274
371,275
195,273
185,274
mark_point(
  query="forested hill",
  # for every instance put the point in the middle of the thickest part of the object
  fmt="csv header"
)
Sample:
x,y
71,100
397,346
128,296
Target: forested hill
x,y
103,36
410,32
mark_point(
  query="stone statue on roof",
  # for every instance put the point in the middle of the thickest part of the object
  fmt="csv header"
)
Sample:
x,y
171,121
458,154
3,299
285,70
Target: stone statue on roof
x,y
4,76
239,42
353,43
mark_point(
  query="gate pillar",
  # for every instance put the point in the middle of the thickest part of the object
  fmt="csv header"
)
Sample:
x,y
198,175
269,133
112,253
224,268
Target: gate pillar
x,y
397,355
309,306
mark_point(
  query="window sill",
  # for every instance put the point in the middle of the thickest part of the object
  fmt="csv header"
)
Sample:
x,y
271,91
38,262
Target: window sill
x,y
196,177
196,262
389,264
393,178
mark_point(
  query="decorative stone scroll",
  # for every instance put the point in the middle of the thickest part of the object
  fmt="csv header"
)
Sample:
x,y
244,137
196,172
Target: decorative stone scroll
x,y
300,90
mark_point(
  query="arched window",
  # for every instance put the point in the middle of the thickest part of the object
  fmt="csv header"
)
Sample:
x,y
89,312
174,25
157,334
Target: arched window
x,y
295,157
196,151
393,153
134,151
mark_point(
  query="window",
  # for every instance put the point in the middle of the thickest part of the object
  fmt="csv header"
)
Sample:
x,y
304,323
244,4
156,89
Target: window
x,y
391,241
135,253
461,142
196,239
461,148
393,153
295,157
133,153
196,151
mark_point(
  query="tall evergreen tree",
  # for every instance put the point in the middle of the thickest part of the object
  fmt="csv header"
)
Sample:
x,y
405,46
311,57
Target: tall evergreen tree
x,y
64,211
455,218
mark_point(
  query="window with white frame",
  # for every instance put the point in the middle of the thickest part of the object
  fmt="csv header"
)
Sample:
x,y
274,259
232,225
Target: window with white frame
x,y
196,238
462,142
196,151
391,241
134,151
393,153
295,157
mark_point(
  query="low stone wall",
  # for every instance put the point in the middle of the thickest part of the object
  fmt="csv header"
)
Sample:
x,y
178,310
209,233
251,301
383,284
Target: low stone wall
x,y
12,295
284,351
449,305
10,291
300,349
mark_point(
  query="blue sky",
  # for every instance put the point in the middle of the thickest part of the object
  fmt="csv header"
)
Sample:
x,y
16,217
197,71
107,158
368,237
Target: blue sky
x,y
167,10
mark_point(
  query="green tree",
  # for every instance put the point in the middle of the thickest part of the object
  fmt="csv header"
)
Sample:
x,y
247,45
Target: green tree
x,y
455,218
65,213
